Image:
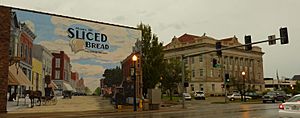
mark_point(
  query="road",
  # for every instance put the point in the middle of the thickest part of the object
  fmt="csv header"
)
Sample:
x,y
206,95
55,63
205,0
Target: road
x,y
95,107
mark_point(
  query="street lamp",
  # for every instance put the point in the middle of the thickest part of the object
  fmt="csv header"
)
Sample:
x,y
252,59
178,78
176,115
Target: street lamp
x,y
243,74
134,59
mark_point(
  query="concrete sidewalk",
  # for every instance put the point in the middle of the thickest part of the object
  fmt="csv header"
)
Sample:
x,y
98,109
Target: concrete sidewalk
x,y
76,104
24,103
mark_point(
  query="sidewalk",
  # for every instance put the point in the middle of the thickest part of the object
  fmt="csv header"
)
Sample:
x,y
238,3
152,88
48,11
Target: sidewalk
x,y
76,104
13,105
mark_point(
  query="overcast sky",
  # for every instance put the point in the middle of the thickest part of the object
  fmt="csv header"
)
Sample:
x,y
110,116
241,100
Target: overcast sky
x,y
216,18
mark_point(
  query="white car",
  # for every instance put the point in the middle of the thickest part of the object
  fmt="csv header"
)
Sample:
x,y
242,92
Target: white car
x,y
187,96
291,108
199,95
235,96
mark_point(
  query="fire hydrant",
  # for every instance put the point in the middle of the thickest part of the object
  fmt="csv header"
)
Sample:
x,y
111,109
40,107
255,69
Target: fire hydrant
x,y
141,104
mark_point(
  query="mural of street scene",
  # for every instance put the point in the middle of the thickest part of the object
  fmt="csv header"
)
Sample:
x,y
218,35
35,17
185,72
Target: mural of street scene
x,y
54,57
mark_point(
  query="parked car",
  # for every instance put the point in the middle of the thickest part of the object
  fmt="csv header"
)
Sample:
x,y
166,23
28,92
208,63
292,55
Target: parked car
x,y
187,96
253,95
235,96
274,96
291,108
199,95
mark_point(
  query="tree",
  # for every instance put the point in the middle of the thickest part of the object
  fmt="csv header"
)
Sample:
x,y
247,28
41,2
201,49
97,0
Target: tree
x,y
113,77
97,91
172,76
297,87
87,90
152,58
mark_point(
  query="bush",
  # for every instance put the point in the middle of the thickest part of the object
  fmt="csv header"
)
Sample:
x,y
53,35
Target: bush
x,y
266,91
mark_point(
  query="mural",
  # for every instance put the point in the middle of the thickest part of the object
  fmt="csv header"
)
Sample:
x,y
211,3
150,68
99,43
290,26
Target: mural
x,y
91,46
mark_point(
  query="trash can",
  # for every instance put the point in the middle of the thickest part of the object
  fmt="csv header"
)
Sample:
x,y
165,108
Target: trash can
x,y
146,104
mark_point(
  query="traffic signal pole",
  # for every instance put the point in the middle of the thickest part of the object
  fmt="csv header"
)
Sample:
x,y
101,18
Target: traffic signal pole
x,y
182,80
227,48
223,78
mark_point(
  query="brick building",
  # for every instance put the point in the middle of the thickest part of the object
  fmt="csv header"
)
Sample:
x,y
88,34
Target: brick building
x,y
80,86
5,20
61,72
74,79
26,43
127,65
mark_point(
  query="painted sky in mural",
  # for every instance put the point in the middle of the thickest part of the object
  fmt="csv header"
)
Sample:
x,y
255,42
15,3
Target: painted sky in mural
x,y
92,47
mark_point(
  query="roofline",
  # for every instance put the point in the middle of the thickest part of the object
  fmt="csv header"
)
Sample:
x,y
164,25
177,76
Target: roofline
x,y
207,44
75,18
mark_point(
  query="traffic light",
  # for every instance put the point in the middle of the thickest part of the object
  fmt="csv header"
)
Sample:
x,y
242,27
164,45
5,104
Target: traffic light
x,y
272,40
227,77
218,47
214,62
284,39
248,41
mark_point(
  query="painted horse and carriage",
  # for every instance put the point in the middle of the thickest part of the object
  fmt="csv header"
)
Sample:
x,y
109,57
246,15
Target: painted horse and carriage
x,y
37,98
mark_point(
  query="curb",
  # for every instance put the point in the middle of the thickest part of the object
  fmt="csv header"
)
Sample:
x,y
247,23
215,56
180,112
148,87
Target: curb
x,y
85,113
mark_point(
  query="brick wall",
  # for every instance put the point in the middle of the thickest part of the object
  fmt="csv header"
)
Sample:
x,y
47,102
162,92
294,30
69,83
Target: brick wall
x,y
4,47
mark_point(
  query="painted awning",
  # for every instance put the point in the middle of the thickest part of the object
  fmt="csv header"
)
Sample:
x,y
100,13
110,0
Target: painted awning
x,y
19,76
12,80
53,85
68,87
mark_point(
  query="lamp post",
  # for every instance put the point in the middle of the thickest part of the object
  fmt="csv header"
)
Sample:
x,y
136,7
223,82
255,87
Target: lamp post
x,y
134,59
243,74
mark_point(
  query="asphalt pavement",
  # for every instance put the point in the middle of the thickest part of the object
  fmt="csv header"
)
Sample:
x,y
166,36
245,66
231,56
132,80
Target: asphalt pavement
x,y
95,106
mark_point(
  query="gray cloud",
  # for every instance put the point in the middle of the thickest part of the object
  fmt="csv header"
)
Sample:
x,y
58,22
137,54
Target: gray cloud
x,y
218,18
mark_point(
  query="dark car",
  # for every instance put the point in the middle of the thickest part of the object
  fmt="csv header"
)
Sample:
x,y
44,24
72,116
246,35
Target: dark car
x,y
281,96
253,95
274,96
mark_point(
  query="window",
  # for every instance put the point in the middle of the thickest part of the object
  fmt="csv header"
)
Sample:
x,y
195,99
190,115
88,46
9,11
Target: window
x,y
21,50
192,87
30,56
192,59
26,53
201,58
57,62
193,73
29,74
57,74
201,72
185,61
201,87
213,87
66,76
37,81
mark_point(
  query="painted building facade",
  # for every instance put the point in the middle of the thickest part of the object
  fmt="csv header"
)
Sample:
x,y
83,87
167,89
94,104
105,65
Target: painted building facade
x,y
37,75
61,72
45,56
74,79
26,43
